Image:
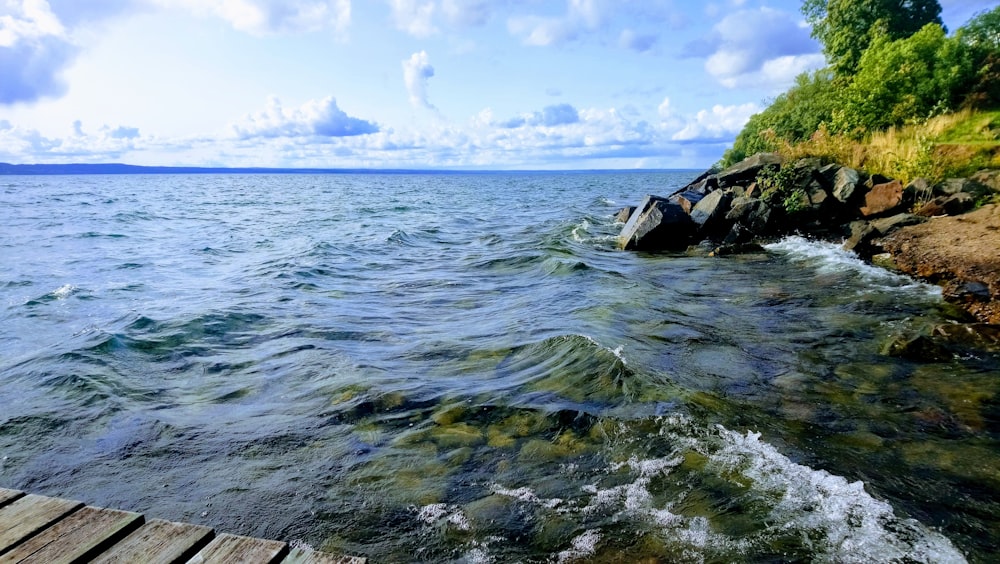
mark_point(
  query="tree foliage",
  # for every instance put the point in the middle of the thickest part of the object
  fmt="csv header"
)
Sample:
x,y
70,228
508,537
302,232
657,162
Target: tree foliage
x,y
793,116
844,26
891,63
907,79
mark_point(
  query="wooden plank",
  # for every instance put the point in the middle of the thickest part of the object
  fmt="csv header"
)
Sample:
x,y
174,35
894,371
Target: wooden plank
x,y
309,556
159,542
29,515
232,548
7,496
78,537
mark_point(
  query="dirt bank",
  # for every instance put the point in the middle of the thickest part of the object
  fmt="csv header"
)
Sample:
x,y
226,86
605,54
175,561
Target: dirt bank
x,y
960,252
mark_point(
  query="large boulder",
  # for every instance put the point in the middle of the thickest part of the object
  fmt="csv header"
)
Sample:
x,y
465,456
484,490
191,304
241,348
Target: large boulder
x,y
687,200
746,171
750,217
883,199
846,186
657,224
865,238
710,213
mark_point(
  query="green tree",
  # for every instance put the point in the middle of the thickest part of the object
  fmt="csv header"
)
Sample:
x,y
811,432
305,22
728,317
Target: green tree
x,y
844,27
792,116
904,80
982,35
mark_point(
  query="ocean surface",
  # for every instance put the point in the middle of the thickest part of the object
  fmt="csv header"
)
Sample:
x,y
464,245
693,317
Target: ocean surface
x,y
463,368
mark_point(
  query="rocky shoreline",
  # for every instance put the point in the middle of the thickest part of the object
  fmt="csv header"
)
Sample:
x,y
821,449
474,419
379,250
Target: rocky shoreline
x,y
946,233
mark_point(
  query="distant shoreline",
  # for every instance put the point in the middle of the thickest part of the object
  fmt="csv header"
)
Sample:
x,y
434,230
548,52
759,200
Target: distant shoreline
x,y
7,169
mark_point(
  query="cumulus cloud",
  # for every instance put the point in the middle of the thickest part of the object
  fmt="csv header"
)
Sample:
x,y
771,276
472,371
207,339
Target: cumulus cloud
x,y
757,47
273,16
316,118
417,70
25,145
721,123
34,49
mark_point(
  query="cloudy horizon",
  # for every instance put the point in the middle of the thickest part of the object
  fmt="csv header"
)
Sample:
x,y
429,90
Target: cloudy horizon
x,y
454,84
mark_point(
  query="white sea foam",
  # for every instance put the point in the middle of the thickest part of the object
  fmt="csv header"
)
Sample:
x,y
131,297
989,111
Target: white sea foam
x,y
841,519
451,514
831,258
581,547
64,291
581,232
856,527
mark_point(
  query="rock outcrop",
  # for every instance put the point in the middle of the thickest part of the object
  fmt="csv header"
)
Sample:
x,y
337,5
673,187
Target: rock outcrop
x,y
764,197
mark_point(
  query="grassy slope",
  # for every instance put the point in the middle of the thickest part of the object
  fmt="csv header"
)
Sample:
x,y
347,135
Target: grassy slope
x,y
947,146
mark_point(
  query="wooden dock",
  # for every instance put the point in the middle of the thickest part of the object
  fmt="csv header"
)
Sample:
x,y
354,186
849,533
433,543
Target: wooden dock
x,y
48,530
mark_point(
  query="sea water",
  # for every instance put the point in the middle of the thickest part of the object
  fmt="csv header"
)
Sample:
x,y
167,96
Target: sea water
x,y
463,367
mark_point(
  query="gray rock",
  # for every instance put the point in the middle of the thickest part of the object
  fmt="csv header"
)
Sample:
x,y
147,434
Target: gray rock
x,y
710,213
624,214
659,225
752,215
863,239
889,224
745,172
687,200
827,174
846,183
956,185
918,190
989,178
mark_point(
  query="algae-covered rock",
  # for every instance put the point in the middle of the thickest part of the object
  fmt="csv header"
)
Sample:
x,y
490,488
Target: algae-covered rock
x,y
456,435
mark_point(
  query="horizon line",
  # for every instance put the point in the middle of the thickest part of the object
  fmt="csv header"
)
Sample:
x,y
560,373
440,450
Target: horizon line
x,y
43,169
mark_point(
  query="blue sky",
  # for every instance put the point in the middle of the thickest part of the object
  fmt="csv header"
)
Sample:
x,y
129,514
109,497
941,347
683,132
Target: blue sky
x,y
501,84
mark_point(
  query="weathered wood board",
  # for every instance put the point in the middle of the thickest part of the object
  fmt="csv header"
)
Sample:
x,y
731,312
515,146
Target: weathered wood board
x,y
159,542
309,556
225,549
26,516
45,530
7,496
78,537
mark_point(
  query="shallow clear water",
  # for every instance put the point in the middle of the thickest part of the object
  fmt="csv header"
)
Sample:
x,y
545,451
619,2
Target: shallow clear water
x,y
462,367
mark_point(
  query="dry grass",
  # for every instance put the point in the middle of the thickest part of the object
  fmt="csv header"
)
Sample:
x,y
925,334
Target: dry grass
x,y
946,146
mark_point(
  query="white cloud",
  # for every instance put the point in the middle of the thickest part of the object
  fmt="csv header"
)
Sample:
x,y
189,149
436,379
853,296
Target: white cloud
x,y
719,123
760,47
415,17
316,118
34,49
540,31
273,16
417,70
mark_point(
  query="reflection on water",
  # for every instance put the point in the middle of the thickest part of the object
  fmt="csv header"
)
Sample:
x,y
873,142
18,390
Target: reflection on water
x,y
462,367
